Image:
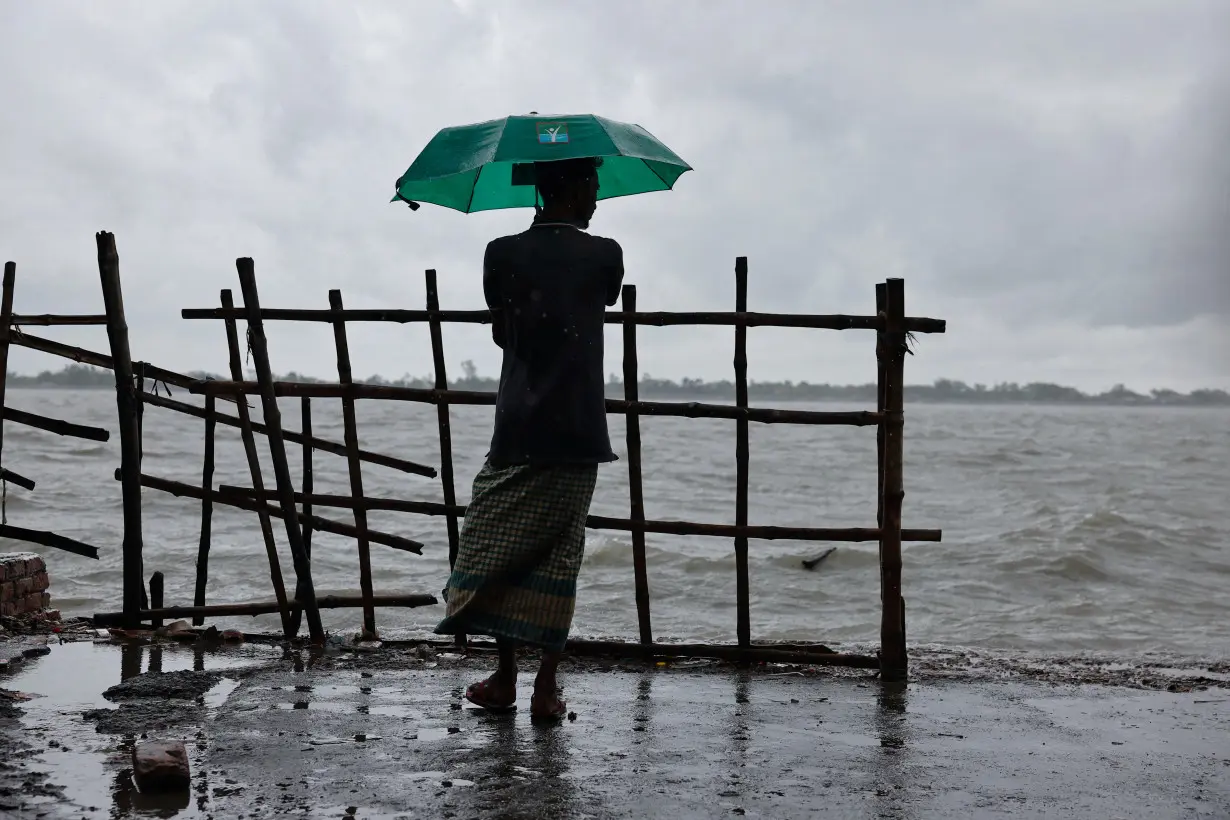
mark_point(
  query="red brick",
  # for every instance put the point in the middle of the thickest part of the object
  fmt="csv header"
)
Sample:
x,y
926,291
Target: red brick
x,y
8,609
6,591
41,581
4,569
36,564
23,587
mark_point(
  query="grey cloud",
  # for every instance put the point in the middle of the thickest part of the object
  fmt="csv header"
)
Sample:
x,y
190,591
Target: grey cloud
x,y
1058,167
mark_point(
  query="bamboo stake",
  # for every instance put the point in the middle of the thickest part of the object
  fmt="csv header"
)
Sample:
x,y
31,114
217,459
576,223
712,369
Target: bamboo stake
x,y
126,407
277,447
658,319
247,502
635,488
90,357
265,607
305,438
156,588
51,319
6,322
50,425
356,468
743,584
601,522
881,376
446,435
48,539
207,508
893,661
254,464
305,516
18,479
693,410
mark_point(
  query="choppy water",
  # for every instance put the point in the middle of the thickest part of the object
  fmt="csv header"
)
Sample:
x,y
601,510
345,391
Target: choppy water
x,y
1065,529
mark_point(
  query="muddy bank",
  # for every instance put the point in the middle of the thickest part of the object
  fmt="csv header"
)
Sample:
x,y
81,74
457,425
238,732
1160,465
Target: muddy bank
x,y
386,733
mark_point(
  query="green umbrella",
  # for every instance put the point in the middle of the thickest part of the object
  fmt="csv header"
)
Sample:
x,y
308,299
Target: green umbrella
x,y
489,165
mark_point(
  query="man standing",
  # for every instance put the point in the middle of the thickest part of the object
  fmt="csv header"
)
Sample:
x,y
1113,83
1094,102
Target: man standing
x,y
524,532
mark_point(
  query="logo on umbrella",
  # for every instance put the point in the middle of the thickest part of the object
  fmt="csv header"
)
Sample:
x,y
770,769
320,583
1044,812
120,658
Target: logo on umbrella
x,y
552,132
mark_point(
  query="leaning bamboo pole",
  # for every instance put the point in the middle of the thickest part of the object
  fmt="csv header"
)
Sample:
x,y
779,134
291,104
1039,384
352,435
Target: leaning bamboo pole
x,y
127,410
277,446
350,426
252,453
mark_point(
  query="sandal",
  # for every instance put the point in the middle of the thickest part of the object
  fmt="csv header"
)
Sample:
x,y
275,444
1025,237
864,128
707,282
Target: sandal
x,y
479,695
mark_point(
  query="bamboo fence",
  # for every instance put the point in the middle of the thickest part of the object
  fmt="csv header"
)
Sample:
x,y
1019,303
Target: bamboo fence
x,y
297,506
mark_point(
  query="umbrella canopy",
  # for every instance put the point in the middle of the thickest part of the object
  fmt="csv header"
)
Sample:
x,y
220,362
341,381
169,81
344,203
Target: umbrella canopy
x,y
490,165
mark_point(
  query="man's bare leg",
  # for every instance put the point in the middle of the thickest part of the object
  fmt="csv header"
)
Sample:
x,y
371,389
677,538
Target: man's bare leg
x,y
499,691
546,702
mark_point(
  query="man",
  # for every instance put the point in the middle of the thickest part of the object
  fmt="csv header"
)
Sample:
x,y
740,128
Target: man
x,y
524,533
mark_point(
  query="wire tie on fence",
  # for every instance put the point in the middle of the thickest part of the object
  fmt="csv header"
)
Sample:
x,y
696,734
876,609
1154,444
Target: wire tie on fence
x,y
248,357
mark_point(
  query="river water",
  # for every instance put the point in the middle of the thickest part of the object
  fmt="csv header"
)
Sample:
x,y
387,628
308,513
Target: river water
x,y
1066,529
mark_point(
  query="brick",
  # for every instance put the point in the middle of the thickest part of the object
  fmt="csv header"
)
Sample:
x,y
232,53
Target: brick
x,y
6,591
8,609
4,571
23,587
41,581
35,564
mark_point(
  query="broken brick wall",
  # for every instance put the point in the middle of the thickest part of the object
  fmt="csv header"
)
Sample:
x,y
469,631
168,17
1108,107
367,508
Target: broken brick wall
x,y
23,585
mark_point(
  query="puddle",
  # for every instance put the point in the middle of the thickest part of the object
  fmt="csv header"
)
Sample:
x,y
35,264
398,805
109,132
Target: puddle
x,y
92,767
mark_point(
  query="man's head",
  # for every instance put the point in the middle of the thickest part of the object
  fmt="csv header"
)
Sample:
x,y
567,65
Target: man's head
x,y
569,188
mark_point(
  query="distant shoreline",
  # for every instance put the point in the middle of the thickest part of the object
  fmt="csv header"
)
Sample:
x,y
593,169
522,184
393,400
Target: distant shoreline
x,y
943,391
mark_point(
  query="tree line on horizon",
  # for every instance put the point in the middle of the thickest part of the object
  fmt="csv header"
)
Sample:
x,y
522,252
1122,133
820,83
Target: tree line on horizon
x,y
942,390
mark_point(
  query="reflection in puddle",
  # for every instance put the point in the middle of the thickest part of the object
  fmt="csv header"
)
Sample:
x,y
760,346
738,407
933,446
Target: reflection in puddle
x,y
93,768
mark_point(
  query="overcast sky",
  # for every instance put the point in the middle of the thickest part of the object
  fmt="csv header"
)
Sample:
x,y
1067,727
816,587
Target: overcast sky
x,y
1050,177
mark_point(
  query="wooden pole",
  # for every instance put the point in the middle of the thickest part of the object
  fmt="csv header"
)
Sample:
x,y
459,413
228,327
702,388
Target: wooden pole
x,y
51,320
305,519
254,465
90,357
266,607
599,522
6,323
48,539
635,487
41,422
743,585
126,407
207,508
893,661
334,447
881,376
613,317
277,447
447,482
691,410
356,469
446,435
246,502
156,588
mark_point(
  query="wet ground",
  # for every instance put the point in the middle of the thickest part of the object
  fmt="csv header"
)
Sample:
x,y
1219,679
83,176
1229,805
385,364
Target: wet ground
x,y
386,734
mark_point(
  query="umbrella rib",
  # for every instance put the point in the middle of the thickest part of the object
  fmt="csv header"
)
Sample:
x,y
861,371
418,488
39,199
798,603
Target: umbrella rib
x,y
474,188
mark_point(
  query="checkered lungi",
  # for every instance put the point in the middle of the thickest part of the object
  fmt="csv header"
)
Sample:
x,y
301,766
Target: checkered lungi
x,y
521,547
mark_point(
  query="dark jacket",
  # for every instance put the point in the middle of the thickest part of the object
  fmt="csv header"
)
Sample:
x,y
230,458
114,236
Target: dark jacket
x,y
548,289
